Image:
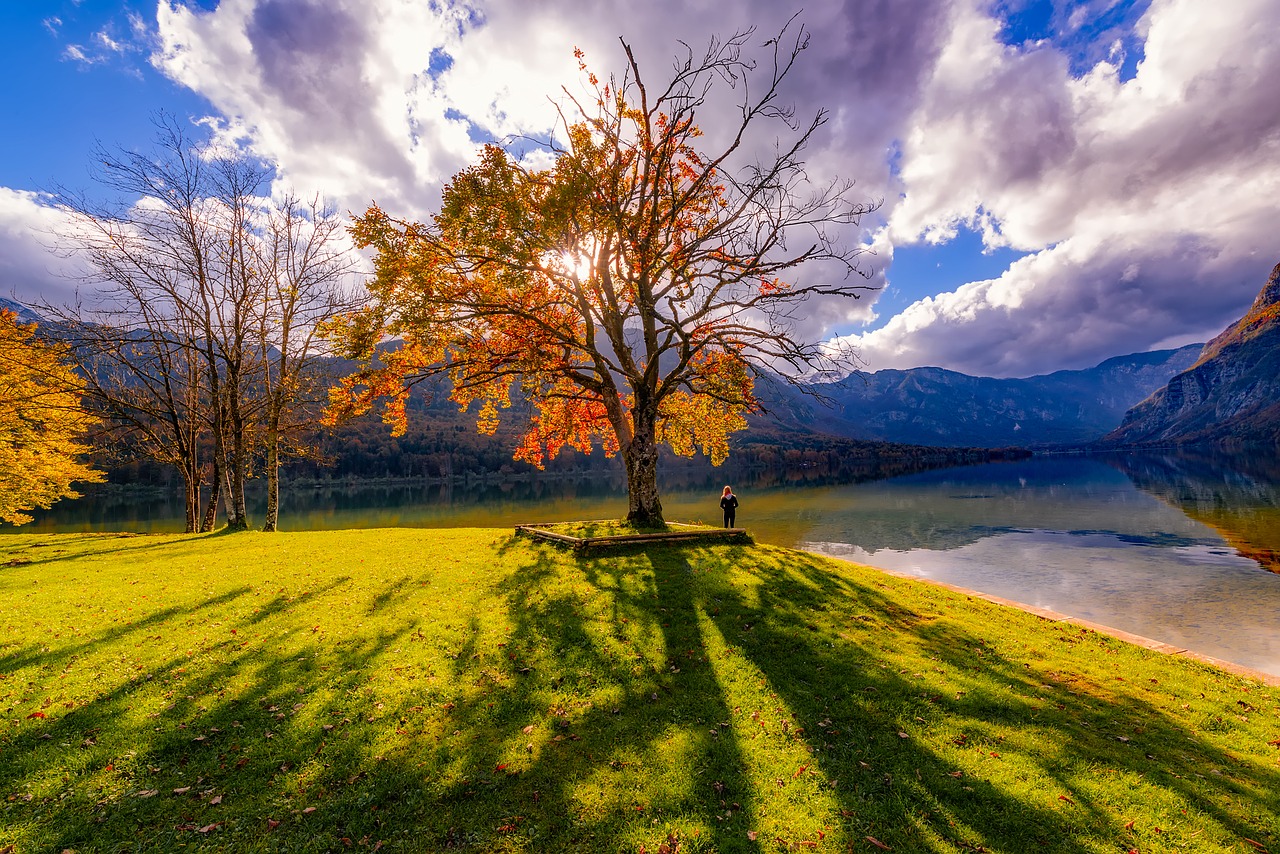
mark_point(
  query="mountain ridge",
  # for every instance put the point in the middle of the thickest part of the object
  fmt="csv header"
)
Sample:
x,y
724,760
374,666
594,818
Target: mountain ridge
x,y
1231,393
939,407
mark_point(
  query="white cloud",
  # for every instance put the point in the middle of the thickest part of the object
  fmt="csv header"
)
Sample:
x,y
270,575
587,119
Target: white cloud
x,y
1172,174
361,103
29,271
1146,203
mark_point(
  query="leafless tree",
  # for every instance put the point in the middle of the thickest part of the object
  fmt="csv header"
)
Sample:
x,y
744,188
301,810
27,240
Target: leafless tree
x,y
197,311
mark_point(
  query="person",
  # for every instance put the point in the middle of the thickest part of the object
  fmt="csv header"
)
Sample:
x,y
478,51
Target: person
x,y
729,504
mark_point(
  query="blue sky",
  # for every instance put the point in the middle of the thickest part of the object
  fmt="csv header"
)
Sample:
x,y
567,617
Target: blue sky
x,y
1062,181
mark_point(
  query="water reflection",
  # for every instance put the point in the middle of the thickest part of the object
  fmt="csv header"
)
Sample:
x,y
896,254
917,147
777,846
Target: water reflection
x,y
1077,536
1236,494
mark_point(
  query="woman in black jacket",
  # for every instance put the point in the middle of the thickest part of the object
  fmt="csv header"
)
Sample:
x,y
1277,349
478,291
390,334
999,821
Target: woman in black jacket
x,y
729,504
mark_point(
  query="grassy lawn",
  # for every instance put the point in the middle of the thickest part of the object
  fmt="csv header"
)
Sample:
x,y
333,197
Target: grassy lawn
x,y
418,690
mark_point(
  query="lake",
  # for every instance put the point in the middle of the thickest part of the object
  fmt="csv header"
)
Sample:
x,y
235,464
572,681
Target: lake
x,y
1182,548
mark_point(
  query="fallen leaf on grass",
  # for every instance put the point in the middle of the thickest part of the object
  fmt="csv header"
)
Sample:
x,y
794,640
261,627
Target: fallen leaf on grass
x,y
214,801
35,715
527,729
272,824
751,834
148,793
1257,845
182,791
308,810
209,827
877,843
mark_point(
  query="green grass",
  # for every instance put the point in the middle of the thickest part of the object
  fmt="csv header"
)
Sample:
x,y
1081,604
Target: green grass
x,y
425,690
608,528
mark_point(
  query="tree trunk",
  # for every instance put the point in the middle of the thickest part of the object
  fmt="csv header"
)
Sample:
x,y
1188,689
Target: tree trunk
x,y
644,508
273,475
215,493
237,464
237,481
192,485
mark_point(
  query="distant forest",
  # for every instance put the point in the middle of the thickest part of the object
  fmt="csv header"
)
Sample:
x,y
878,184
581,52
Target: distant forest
x,y
443,444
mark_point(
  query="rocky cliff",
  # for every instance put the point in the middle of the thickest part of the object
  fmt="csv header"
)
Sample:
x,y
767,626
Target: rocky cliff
x,y
1232,392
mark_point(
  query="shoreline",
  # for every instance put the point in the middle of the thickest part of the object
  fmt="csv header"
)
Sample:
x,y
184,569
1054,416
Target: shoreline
x,y
1269,679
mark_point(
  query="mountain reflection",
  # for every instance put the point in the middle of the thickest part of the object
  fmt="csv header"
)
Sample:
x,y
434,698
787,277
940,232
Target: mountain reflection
x,y
1235,492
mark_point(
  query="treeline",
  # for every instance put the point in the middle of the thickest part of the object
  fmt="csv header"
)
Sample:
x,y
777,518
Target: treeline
x,y
443,444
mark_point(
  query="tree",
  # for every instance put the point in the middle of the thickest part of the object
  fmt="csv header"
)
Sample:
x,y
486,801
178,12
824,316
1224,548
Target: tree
x,y
198,342
41,423
634,289
300,254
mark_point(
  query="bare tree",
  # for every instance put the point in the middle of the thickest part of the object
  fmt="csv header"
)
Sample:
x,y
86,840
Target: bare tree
x,y
187,292
302,259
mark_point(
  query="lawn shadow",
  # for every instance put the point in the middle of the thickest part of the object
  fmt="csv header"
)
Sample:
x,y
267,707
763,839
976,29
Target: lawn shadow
x,y
588,702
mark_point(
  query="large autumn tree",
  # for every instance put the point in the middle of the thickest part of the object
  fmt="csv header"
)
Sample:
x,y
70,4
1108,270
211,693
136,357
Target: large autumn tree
x,y
41,423
635,287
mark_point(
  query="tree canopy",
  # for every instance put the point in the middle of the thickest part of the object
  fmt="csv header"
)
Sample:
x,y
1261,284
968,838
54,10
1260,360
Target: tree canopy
x,y
41,423
632,289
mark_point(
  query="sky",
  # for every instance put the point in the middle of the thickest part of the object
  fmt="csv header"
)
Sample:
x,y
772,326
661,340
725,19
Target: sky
x,y
1059,182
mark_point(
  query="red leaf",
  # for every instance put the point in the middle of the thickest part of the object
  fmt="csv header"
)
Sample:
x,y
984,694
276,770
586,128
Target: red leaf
x,y
35,715
1065,798
272,824
877,843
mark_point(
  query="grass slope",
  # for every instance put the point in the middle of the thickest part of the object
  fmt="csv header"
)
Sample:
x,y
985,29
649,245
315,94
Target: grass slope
x,y
418,690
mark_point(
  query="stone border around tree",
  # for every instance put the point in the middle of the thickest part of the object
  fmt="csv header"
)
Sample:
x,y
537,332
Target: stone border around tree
x,y
694,534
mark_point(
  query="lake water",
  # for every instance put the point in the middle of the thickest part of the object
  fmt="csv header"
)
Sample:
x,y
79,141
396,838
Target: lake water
x,y
1180,548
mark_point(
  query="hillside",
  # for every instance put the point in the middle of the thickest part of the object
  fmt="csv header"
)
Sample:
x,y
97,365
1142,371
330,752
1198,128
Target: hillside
x,y
1232,392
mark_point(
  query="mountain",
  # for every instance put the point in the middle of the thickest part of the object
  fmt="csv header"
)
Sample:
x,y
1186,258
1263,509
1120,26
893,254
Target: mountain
x,y
25,315
932,406
1232,392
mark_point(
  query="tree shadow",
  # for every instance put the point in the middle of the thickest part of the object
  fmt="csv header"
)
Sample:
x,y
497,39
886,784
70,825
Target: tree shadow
x,y
936,802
